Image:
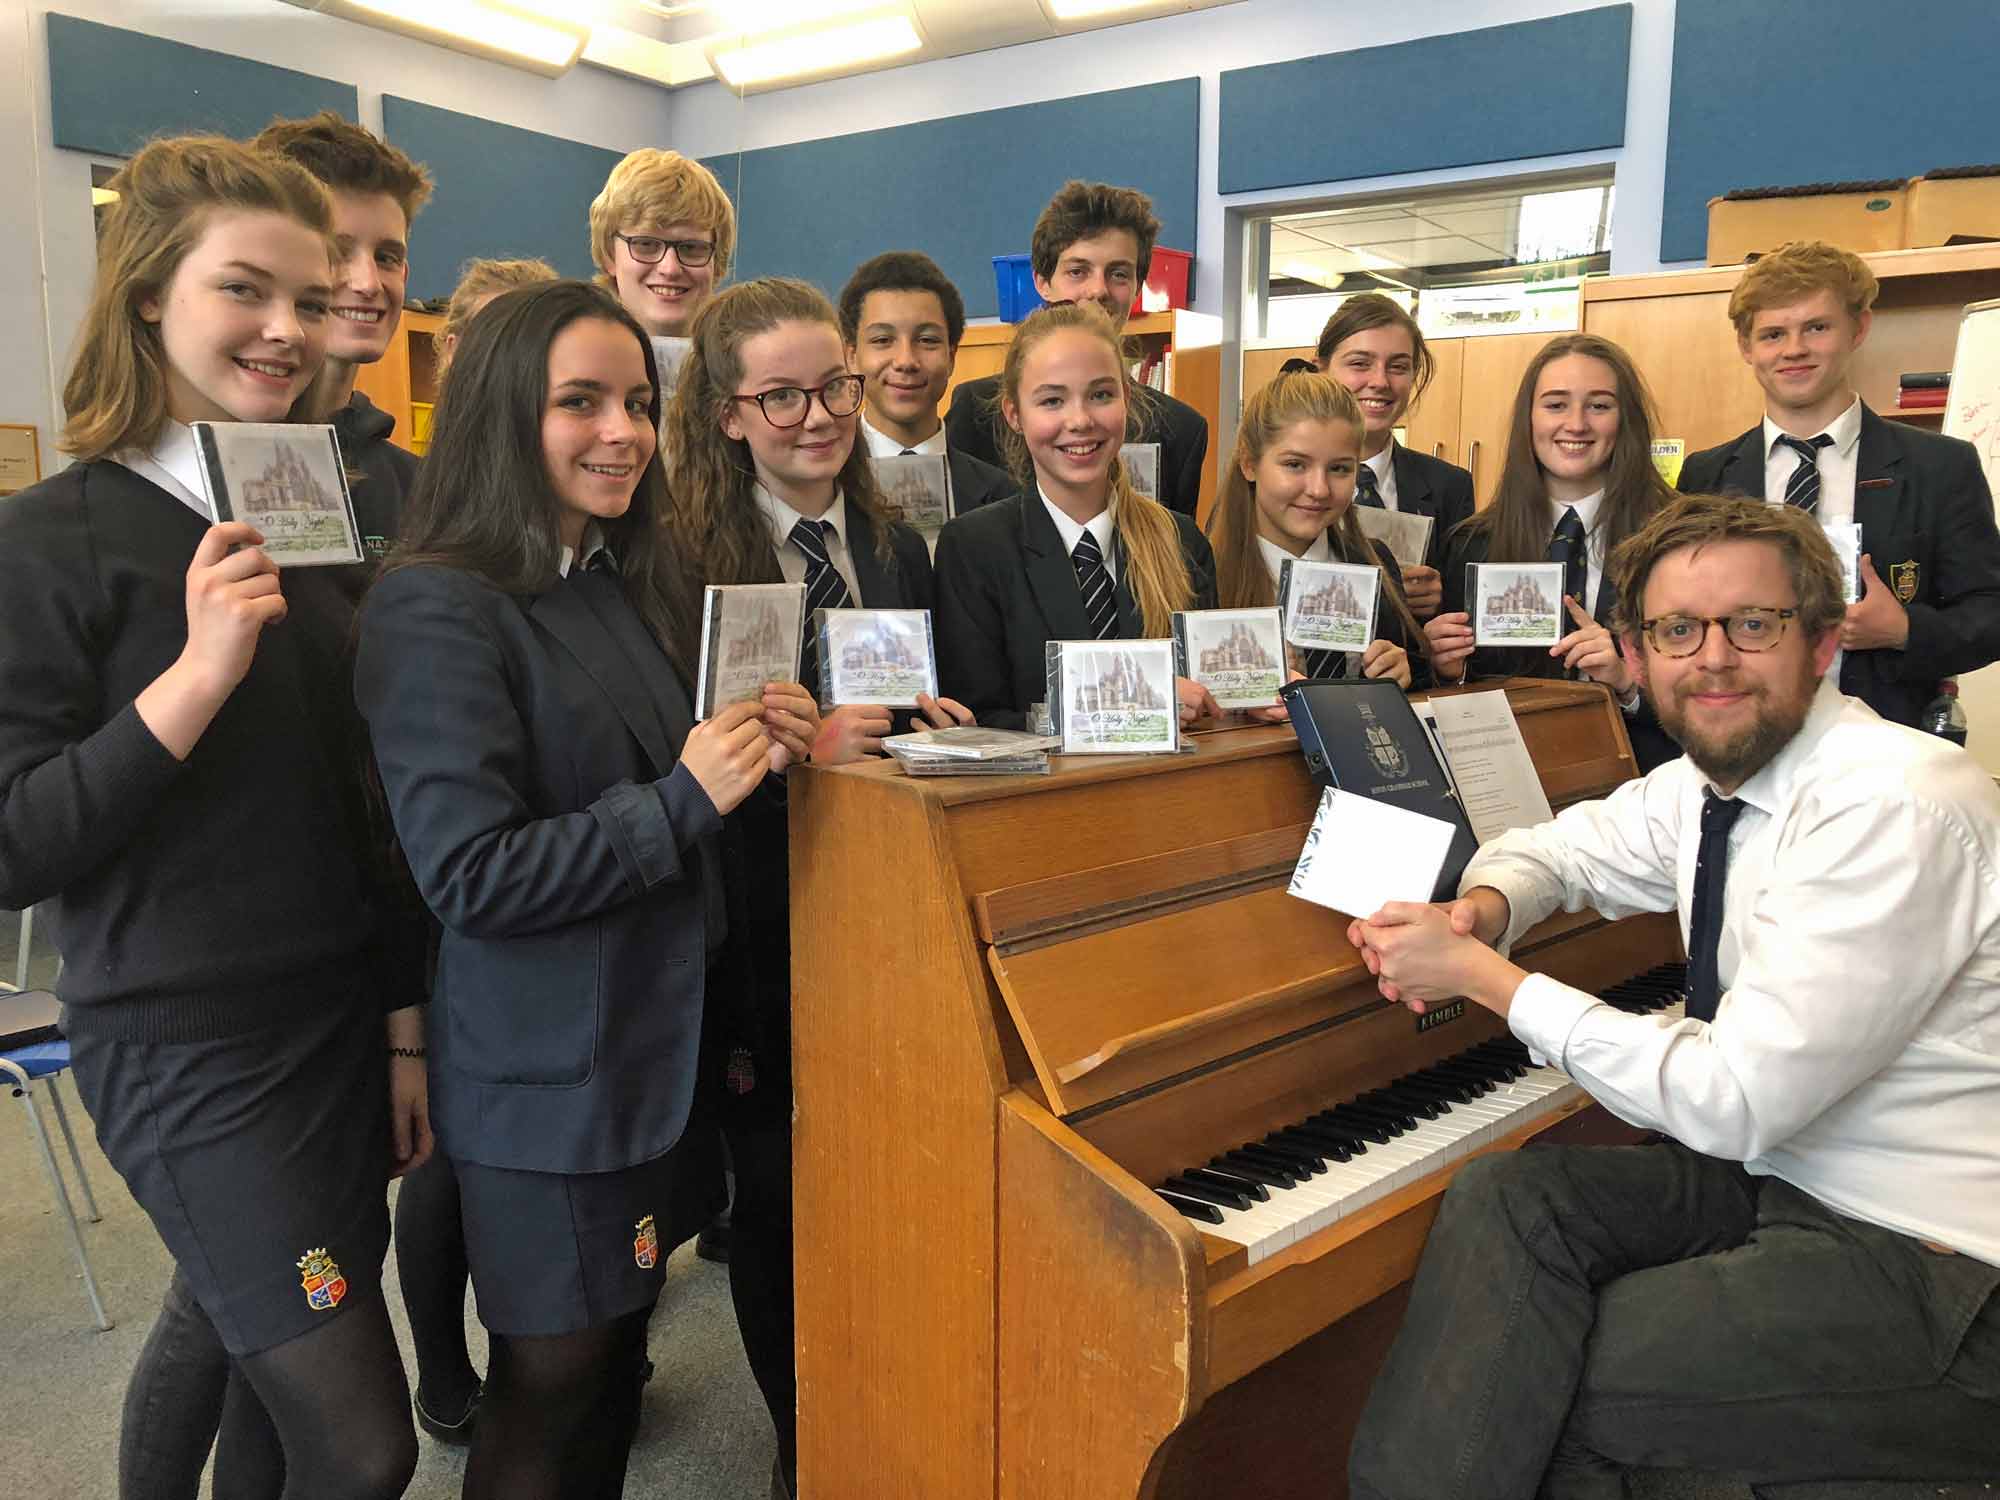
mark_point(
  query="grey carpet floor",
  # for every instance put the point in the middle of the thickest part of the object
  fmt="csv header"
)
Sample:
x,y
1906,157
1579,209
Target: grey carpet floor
x,y
703,1433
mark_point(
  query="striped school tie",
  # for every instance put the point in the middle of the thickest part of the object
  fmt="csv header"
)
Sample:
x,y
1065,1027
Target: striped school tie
x,y
1093,581
1802,489
1570,547
825,589
1325,665
1367,488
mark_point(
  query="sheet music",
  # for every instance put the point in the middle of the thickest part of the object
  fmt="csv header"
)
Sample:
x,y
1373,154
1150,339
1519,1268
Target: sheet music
x,y
1490,765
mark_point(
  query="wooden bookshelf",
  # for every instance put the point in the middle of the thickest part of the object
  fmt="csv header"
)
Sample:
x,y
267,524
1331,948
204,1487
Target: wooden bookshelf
x,y
406,376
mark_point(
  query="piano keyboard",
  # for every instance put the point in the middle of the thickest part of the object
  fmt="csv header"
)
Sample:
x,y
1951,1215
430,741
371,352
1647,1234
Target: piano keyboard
x,y
1297,1180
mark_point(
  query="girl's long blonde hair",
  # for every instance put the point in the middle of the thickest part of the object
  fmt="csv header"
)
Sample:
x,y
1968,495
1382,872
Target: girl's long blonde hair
x,y
1148,535
116,393
1242,579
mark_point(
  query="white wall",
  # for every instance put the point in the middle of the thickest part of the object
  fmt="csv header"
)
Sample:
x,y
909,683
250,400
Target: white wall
x,y
47,255
707,118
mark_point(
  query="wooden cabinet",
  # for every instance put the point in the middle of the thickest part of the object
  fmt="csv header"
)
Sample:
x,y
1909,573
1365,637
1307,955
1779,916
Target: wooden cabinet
x,y
1675,325
403,382
1492,377
1432,425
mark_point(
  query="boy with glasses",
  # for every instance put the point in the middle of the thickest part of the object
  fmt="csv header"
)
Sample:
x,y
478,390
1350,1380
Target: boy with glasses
x,y
1930,567
662,233
1800,1283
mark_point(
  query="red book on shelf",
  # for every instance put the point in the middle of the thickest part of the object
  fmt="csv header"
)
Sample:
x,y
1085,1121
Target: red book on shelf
x,y
1922,399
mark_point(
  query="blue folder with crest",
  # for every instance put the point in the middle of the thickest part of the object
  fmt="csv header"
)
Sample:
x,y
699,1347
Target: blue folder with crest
x,y
1362,736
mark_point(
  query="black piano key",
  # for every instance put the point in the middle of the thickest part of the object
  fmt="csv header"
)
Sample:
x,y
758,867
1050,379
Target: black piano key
x,y
1327,1143
1477,1070
1456,1090
1236,1164
1360,1116
1394,1113
1515,1067
1194,1208
1410,1101
1222,1197
1434,1095
1397,1121
1477,1080
1309,1162
1228,1181
1366,1130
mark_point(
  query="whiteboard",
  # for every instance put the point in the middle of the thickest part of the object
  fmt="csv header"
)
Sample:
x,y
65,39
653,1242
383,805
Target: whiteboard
x,y
1972,412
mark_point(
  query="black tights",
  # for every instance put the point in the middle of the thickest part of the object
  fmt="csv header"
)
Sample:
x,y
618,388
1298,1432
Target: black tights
x,y
321,1417
760,1274
430,1263
558,1414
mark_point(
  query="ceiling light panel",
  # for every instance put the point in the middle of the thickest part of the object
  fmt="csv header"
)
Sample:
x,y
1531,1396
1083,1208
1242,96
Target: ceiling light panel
x,y
519,35
824,49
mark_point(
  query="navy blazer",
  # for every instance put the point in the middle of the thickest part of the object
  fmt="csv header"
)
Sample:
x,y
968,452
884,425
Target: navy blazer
x,y
1926,517
972,425
1428,486
530,750
975,482
1651,744
1006,587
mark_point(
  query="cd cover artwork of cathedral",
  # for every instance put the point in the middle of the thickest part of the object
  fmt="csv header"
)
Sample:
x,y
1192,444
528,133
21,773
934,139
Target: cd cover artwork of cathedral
x,y
287,480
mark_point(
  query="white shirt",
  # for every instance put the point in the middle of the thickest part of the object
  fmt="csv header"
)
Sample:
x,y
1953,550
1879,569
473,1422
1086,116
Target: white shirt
x,y
1593,553
173,464
1856,1049
1836,465
1384,465
1099,526
791,561
593,543
1275,557
881,445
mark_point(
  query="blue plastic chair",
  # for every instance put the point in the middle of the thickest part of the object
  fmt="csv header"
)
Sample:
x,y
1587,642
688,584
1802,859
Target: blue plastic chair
x,y
32,1049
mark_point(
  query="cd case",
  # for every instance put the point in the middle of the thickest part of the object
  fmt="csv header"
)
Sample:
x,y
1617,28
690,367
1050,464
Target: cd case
x,y
1142,467
1329,606
1515,604
917,487
287,480
1406,534
1846,539
880,656
750,635
1114,697
971,742
1237,654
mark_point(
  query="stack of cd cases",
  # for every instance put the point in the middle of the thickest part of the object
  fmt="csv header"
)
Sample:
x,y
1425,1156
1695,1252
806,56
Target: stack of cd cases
x,y
969,750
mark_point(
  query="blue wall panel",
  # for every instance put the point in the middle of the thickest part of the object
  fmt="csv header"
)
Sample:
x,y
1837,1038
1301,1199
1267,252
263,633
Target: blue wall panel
x,y
962,189
500,191
1786,92
111,90
1505,93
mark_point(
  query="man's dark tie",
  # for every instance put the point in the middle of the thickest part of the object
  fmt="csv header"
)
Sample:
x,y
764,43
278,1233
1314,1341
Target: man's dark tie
x,y
825,589
1367,489
1093,581
907,453
1571,547
1802,489
1711,871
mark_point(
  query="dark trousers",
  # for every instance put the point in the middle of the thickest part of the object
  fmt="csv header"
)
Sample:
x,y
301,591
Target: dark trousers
x,y
1584,1311
760,1272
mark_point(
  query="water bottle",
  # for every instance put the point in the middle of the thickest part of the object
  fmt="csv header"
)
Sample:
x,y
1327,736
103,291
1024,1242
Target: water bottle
x,y
1946,715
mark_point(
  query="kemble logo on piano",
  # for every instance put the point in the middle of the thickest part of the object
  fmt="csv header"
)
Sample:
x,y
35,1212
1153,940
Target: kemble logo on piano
x,y
1438,1015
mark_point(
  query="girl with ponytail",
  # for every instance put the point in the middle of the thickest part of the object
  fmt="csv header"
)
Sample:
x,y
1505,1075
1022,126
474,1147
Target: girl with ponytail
x,y
1289,492
1019,573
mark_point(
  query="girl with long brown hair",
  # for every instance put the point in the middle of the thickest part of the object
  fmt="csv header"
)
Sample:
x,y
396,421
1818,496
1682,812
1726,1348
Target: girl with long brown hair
x,y
1374,347
1578,479
771,483
1079,553
179,776
1289,492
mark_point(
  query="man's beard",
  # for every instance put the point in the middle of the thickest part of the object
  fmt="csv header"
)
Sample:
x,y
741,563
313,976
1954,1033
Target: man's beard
x,y
1731,760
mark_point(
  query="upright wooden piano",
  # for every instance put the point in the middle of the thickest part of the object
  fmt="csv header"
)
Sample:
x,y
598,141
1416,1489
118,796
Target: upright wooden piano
x,y
1020,1006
